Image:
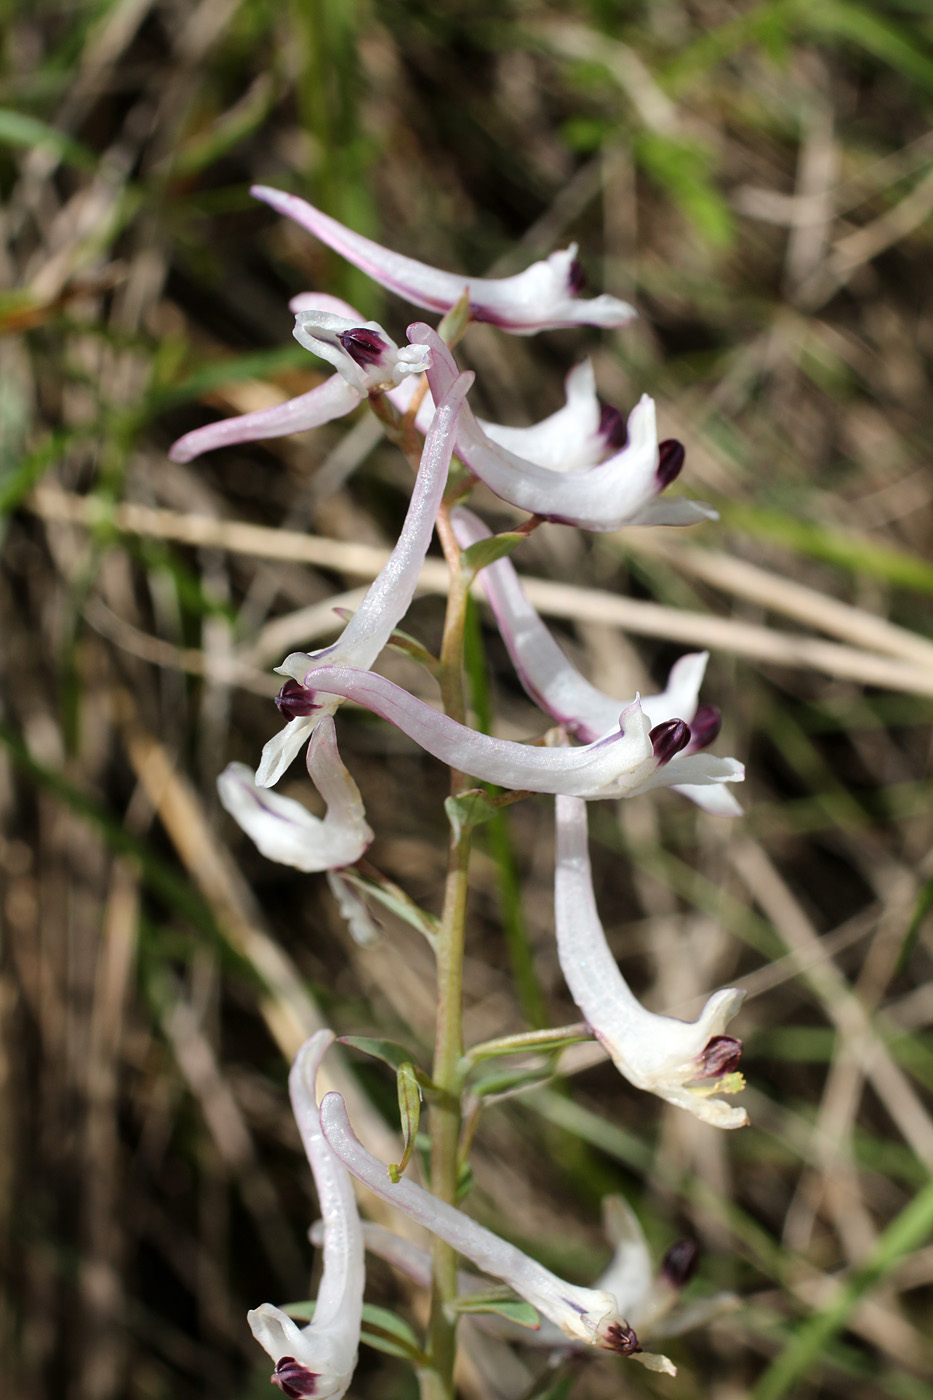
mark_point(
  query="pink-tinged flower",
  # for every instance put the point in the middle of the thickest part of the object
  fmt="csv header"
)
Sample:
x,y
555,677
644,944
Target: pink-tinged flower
x,y
319,1360
633,758
332,399
364,354
554,683
623,489
684,1062
543,297
585,1314
385,604
287,832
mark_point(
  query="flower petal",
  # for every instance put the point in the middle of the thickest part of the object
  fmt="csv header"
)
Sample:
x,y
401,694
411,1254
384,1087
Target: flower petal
x,y
283,748
613,767
657,1053
332,399
602,498
569,440
390,593
586,1314
319,1360
545,295
287,832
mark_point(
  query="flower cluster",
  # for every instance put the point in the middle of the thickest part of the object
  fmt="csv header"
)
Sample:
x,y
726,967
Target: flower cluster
x,y
585,465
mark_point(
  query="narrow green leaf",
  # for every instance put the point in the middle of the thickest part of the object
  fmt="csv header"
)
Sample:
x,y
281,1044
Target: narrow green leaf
x,y
409,1108
484,552
385,1332
19,129
381,1330
395,900
388,1051
906,1232
558,1038
495,1300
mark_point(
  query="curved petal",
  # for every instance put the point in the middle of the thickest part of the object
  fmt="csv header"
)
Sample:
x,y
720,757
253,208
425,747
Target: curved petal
x,y
287,832
600,498
657,1053
332,399
319,1360
545,295
280,752
569,440
389,595
613,767
586,1314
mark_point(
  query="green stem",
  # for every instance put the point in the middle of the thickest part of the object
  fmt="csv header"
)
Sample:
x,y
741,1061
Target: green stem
x,y
448,1042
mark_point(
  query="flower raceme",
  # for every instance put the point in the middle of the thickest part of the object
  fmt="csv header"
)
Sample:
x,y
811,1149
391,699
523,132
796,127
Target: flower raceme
x,y
287,832
555,684
319,1360
586,1315
386,601
545,296
623,489
661,1054
633,758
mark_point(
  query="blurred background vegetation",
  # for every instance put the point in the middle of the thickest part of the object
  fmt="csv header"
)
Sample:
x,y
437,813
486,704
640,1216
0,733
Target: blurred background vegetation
x,y
758,179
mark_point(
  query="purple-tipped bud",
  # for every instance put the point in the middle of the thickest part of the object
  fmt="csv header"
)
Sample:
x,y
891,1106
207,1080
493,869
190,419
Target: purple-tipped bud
x,y
621,1338
669,738
295,699
293,1379
705,726
612,427
671,456
576,277
363,346
679,1263
720,1056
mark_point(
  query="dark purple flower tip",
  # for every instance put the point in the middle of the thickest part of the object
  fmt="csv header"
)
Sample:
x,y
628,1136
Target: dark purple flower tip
x,y
669,738
612,427
720,1056
295,699
671,456
680,1261
576,277
621,1338
293,1379
365,347
705,726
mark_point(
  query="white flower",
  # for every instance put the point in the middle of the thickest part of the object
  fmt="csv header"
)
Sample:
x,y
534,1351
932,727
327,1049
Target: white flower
x,y
364,354
624,489
660,1054
544,296
554,683
319,1360
287,832
648,1297
584,1314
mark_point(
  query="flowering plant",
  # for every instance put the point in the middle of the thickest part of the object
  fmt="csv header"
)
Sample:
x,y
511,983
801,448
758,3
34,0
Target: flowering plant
x,y
585,466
